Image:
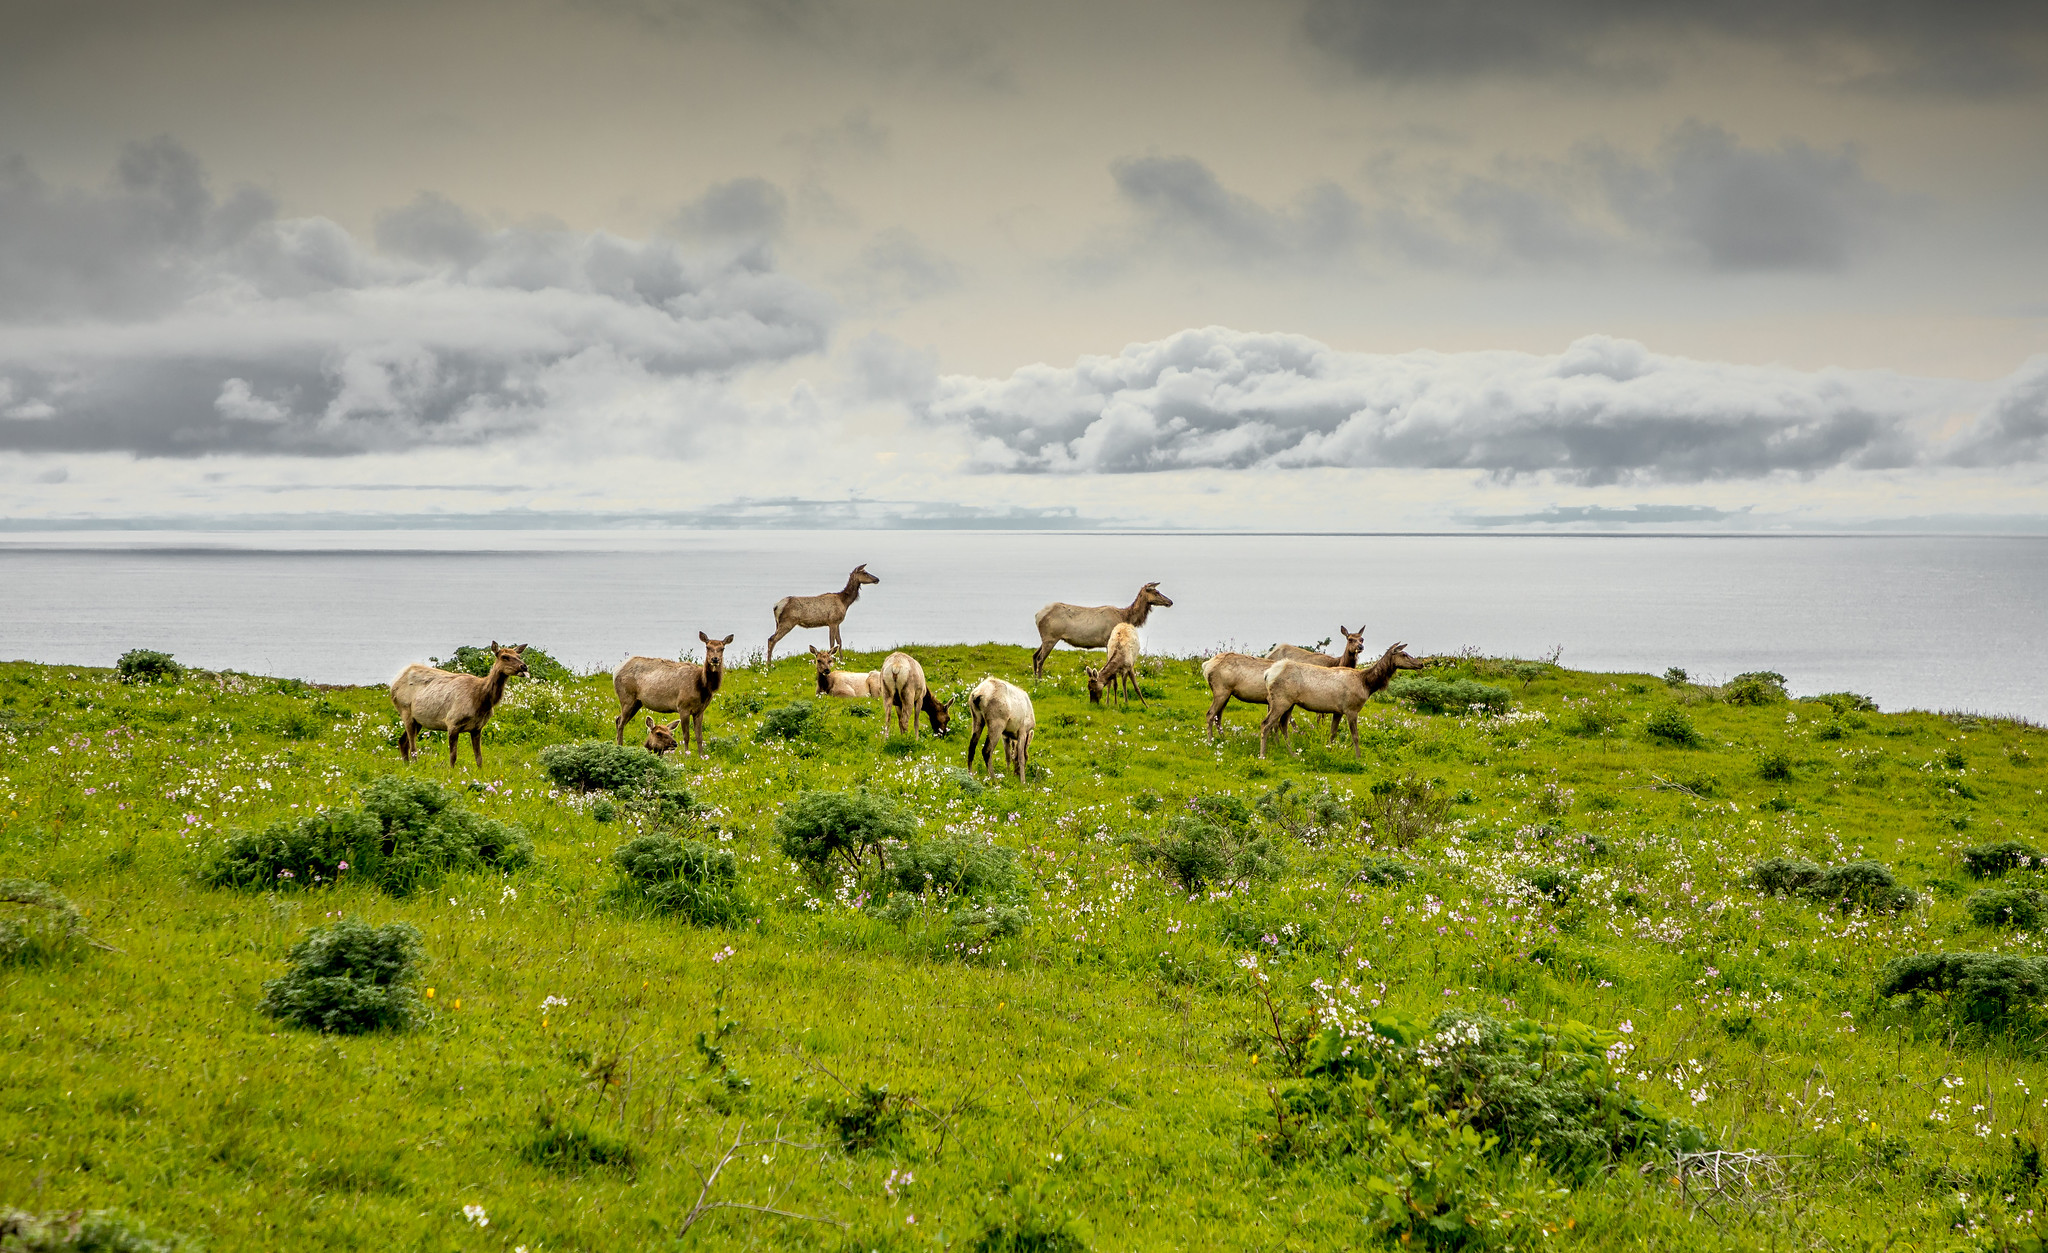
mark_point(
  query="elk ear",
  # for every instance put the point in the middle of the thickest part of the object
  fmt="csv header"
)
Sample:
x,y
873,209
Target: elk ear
x,y
1342,629
704,637
727,640
494,646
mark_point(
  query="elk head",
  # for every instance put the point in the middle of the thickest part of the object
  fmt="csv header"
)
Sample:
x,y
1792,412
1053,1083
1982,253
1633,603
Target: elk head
x,y
661,737
507,658
714,653
1398,655
1151,595
824,662
861,576
1353,642
1094,685
941,712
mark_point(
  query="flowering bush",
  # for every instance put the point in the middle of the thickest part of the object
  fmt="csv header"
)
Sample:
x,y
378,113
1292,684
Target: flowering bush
x,y
349,978
2008,907
1991,861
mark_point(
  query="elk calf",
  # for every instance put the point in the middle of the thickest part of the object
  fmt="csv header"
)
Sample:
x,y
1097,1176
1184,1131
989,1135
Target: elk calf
x,y
439,700
1119,670
661,738
847,683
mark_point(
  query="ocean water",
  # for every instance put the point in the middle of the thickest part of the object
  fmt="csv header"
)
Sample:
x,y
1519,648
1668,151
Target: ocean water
x,y
1914,622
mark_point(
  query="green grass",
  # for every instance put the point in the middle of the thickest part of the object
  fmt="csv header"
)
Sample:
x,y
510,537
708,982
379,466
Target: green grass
x,y
1111,1073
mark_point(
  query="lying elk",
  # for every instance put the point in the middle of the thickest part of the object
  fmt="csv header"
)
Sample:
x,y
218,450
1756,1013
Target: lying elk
x,y
439,700
827,610
848,683
1089,626
1327,690
1003,711
683,688
904,692
1119,670
661,736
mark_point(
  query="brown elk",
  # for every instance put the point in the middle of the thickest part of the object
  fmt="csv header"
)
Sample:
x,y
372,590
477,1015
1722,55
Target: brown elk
x,y
1089,626
827,610
1230,675
1002,710
1353,642
1119,670
1341,693
682,688
439,700
904,692
661,737
847,683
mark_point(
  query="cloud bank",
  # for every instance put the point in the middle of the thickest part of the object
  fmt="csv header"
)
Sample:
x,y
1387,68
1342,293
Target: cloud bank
x,y
1603,411
154,317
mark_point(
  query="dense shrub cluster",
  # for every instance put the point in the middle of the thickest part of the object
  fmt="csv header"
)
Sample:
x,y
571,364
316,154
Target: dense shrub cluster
x,y
1382,872
1211,842
349,978
1758,687
36,921
1401,812
1992,990
97,1231
826,831
800,720
407,835
695,881
2023,908
601,766
958,868
146,665
1865,884
1844,702
1309,816
1433,694
1992,861
476,660
1669,724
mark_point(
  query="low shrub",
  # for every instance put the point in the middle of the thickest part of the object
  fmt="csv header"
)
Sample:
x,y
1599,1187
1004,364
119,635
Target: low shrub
x,y
1384,872
1205,845
862,1118
1309,816
146,665
1991,990
1844,702
989,922
822,831
965,869
1675,676
40,924
1865,884
1758,687
800,720
1401,812
477,660
1021,1225
600,766
569,1148
349,978
1433,694
696,881
1773,763
2023,908
1992,861
1557,884
1668,724
95,1231
408,834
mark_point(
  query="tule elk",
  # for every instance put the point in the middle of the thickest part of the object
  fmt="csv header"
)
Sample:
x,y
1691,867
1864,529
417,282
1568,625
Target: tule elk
x,y
1089,626
853,684
826,610
440,700
1328,690
1119,670
904,692
1003,711
682,688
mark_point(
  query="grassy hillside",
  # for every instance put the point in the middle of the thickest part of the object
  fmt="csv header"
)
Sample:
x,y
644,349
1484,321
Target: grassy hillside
x,y
1199,1029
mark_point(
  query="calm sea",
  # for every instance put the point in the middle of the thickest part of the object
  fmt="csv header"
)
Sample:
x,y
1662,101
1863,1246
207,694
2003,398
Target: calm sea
x,y
1915,622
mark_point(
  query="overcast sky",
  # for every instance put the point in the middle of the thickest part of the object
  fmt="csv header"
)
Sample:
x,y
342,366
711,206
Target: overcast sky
x,y
1323,264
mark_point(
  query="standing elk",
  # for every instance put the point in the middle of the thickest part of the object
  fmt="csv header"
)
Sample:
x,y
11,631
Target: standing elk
x,y
1003,711
904,692
1119,670
1089,626
852,684
827,610
1327,690
682,688
1353,641
440,700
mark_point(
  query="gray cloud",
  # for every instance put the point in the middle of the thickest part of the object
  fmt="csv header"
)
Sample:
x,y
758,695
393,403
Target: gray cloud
x,y
1601,515
745,211
1185,205
154,318
2014,427
1987,47
898,266
1602,411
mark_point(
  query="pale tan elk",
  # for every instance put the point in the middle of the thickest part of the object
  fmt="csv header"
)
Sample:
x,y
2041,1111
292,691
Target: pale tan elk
x,y
1328,690
1353,641
904,692
661,737
1234,674
852,684
1089,626
827,610
1003,711
1119,670
440,700
682,688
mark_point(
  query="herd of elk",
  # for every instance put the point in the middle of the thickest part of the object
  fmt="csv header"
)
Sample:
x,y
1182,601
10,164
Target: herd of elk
x,y
1285,679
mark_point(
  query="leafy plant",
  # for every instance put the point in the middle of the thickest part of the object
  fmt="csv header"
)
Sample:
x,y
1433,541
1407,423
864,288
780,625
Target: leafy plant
x,y
1757,687
1433,694
800,720
1992,861
1021,1225
699,882
1401,812
2023,908
569,1148
1308,816
1676,676
824,830
349,978
1773,763
1383,871
1868,884
960,868
1668,724
1209,844
146,665
595,765
408,834
1844,702
477,660
1991,990
45,925
95,1231
861,1119
989,922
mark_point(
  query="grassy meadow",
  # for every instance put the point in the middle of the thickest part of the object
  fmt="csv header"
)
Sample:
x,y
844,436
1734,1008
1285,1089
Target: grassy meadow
x,y
1126,1043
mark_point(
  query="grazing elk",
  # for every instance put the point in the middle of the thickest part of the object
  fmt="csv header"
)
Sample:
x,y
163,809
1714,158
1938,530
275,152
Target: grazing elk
x,y
661,737
848,683
1328,690
1089,626
1003,711
1119,670
827,610
682,688
904,692
440,700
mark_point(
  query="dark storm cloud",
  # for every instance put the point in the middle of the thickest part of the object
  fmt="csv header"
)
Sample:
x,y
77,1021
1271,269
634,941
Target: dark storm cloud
x,y
1603,411
153,317
1981,48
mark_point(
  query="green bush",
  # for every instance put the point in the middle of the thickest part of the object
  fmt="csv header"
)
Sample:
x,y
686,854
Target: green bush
x,y
571,1149
144,665
601,766
1020,1225
407,836
1992,861
1758,687
349,978
43,925
1309,817
1433,694
1669,724
822,831
1208,844
96,1231
699,882
1844,702
2022,908
801,720
1402,812
861,1119
1675,676
1774,763
1555,883
1384,872
965,869
1866,884
989,922
477,660
1991,990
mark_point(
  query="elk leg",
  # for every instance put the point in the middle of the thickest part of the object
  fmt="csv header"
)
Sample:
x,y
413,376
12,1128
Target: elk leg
x,y
834,629
454,742
625,716
974,736
1045,648
1354,734
773,640
697,720
1215,718
408,738
476,745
